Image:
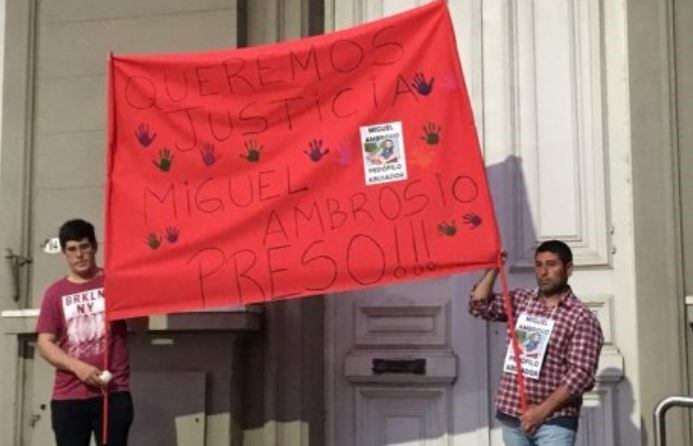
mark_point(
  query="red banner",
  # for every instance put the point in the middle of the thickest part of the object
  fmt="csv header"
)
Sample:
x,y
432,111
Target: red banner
x,y
329,163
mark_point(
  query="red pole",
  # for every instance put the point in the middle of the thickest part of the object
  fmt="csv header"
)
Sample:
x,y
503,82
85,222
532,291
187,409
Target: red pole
x,y
107,323
104,390
508,306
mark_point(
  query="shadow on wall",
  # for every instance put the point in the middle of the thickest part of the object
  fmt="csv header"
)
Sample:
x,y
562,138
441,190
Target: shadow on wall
x,y
624,408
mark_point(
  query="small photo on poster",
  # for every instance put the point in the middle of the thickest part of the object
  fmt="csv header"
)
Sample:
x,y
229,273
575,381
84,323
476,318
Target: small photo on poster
x,y
382,147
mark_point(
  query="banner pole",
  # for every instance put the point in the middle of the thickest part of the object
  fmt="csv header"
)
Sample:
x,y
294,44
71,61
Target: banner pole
x,y
104,390
107,323
508,306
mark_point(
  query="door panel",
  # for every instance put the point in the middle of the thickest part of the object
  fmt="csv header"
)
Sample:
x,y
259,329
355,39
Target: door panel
x,y
411,417
396,367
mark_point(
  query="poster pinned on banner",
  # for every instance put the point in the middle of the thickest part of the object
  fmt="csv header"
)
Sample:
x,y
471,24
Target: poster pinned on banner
x,y
384,159
330,163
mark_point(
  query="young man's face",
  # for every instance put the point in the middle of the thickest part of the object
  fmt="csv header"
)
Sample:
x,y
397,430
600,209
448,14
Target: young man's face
x,y
552,274
80,256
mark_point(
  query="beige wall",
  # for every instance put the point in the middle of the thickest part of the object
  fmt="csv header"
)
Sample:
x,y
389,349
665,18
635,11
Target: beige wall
x,y
683,38
661,325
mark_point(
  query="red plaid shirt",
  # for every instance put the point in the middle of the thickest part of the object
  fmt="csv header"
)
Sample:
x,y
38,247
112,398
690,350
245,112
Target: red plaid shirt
x,y
571,358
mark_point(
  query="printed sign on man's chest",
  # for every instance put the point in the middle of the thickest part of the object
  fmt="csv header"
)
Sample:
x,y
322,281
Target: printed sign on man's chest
x,y
82,304
533,335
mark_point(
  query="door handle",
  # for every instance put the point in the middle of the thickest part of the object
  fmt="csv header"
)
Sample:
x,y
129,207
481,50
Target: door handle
x,y
16,261
34,419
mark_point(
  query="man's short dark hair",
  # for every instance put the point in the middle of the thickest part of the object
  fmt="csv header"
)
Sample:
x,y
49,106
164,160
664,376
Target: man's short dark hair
x,y
76,230
557,247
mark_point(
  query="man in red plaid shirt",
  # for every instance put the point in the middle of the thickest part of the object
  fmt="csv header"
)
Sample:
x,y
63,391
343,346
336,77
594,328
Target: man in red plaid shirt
x,y
566,340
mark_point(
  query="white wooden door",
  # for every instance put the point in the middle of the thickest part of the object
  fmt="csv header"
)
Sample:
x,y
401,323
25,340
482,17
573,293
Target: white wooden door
x,y
405,361
536,72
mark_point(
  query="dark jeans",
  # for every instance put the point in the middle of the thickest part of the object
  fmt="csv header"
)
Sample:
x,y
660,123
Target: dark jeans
x,y
74,421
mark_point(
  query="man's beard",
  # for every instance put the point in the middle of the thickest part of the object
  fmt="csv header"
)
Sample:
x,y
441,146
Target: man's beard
x,y
551,288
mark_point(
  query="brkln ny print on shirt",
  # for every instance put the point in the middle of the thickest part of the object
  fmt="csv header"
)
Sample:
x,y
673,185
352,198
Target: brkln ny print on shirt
x,y
85,321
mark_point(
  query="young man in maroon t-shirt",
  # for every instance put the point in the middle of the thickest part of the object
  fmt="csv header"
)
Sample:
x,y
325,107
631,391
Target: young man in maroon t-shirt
x,y
71,333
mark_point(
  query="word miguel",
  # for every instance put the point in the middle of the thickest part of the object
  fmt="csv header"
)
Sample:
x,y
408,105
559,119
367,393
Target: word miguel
x,y
238,196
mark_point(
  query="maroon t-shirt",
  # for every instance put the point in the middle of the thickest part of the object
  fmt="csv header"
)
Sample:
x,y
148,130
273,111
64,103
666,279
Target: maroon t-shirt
x,y
74,313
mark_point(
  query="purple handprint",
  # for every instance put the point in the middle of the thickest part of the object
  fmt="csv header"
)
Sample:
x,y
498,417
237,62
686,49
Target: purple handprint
x,y
344,155
316,153
472,220
208,155
172,234
143,136
421,85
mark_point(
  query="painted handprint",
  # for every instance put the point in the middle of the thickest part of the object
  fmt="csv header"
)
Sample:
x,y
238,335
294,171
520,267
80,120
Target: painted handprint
x,y
143,136
472,220
153,241
422,157
421,85
431,134
449,81
208,155
252,151
344,155
316,153
165,160
449,229
172,234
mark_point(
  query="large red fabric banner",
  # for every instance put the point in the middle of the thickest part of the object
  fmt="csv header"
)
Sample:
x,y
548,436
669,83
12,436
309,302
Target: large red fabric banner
x,y
329,163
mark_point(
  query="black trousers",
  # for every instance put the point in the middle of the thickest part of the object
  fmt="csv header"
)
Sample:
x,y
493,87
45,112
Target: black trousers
x,y
74,421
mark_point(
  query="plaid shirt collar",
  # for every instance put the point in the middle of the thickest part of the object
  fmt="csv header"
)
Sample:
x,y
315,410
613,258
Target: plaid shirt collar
x,y
568,299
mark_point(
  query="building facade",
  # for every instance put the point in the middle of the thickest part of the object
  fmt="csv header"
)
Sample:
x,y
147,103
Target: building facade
x,y
584,109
